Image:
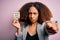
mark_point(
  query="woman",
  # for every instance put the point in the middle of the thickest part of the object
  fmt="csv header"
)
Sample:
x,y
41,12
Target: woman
x,y
37,25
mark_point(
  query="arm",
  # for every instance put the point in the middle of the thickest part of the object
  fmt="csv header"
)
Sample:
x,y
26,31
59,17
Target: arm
x,y
18,33
17,25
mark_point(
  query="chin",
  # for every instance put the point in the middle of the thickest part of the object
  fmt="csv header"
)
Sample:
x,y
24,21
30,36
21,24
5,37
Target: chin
x,y
33,22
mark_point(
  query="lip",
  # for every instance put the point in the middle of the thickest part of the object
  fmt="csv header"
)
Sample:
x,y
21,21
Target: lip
x,y
32,20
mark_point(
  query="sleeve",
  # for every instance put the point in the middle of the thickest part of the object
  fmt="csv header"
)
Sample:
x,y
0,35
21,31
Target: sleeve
x,y
20,37
45,29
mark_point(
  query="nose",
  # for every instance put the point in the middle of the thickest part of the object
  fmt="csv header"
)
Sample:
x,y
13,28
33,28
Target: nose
x,y
32,15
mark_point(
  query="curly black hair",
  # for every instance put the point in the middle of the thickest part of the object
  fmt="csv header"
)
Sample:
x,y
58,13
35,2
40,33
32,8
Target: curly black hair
x,y
44,12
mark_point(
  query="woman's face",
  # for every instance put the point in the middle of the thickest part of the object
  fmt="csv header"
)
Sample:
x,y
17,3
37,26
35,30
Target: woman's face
x,y
33,14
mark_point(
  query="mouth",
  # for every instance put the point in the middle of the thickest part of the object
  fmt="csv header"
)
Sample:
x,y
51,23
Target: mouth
x,y
32,20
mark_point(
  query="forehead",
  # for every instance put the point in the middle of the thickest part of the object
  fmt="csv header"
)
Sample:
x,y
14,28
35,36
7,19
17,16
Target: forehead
x,y
33,9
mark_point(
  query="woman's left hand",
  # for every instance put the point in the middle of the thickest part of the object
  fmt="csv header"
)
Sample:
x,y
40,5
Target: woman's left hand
x,y
52,27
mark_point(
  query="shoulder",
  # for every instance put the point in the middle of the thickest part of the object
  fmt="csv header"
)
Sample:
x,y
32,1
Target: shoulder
x,y
41,25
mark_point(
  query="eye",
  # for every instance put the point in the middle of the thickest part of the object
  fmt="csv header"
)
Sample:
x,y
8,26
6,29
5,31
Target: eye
x,y
34,13
29,13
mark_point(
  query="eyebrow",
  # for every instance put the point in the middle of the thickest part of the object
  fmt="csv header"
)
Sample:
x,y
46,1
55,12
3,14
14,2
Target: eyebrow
x,y
33,12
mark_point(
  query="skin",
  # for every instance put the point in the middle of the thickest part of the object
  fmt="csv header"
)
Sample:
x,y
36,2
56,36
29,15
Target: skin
x,y
33,16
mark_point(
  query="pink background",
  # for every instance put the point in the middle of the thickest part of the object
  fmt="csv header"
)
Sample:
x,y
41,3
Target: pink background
x,y
7,7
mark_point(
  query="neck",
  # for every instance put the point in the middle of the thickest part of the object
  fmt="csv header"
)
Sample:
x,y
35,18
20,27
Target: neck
x,y
33,24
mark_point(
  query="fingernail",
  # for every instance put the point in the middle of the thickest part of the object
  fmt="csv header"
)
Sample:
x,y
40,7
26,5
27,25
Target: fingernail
x,y
56,21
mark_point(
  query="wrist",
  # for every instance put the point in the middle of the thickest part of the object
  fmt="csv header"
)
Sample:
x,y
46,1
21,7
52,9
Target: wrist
x,y
19,28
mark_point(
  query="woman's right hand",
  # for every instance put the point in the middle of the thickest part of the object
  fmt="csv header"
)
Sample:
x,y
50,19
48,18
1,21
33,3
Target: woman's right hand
x,y
16,23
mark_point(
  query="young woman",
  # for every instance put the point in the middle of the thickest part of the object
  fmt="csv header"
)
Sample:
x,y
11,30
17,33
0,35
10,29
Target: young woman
x,y
37,25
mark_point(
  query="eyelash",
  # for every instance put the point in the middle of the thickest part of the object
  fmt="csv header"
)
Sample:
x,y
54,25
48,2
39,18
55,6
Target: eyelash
x,y
31,13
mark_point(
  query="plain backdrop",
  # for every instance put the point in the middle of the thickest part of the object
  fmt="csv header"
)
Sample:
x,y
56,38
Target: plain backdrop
x,y
7,7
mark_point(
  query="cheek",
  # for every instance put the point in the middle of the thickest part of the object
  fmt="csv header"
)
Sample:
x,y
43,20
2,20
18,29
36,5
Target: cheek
x,y
29,16
36,17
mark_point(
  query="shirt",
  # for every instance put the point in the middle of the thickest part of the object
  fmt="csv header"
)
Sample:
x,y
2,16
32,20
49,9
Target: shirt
x,y
34,37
